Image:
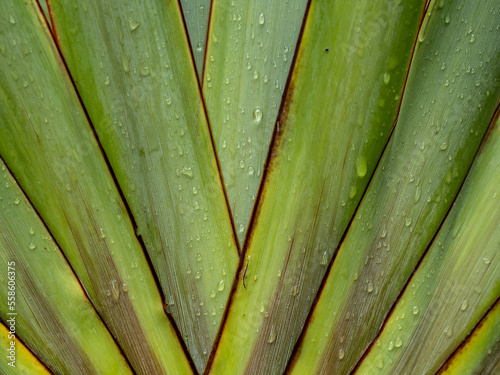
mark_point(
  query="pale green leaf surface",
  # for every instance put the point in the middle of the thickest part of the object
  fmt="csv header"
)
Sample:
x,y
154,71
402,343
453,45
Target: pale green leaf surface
x,y
26,363
249,53
45,9
196,14
337,117
132,67
50,148
457,282
50,311
480,354
451,94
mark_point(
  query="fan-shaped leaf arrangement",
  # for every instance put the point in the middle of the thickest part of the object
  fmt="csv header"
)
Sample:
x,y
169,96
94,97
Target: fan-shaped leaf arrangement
x,y
250,187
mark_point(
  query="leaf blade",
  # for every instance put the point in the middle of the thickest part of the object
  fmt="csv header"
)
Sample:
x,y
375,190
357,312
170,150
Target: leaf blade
x,y
49,146
50,312
249,54
314,182
457,282
144,101
419,175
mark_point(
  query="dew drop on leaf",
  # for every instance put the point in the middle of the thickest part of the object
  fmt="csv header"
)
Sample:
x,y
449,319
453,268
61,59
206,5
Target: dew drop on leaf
x,y
262,19
220,287
341,354
257,115
133,24
272,335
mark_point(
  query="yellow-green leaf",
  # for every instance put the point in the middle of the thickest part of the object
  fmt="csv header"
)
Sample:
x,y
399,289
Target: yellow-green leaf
x,y
339,111
49,146
250,50
45,304
452,91
141,93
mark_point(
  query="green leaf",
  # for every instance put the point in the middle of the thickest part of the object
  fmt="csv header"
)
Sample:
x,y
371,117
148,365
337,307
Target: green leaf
x,y
45,9
250,49
452,91
456,283
196,14
142,96
47,142
47,306
481,353
25,364
332,132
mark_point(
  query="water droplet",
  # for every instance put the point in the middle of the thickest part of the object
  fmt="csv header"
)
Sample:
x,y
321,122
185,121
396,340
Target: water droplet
x,y
106,81
415,310
341,354
12,20
352,192
187,172
418,192
32,231
197,275
369,288
241,228
295,290
421,35
199,47
472,38
115,291
447,19
398,342
32,246
272,335
125,64
257,115
407,221
449,331
324,258
443,66
443,146
391,345
16,202
361,167
213,293
387,78
486,260
169,100
262,19
251,171
220,287
145,71
101,233
464,305
133,24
